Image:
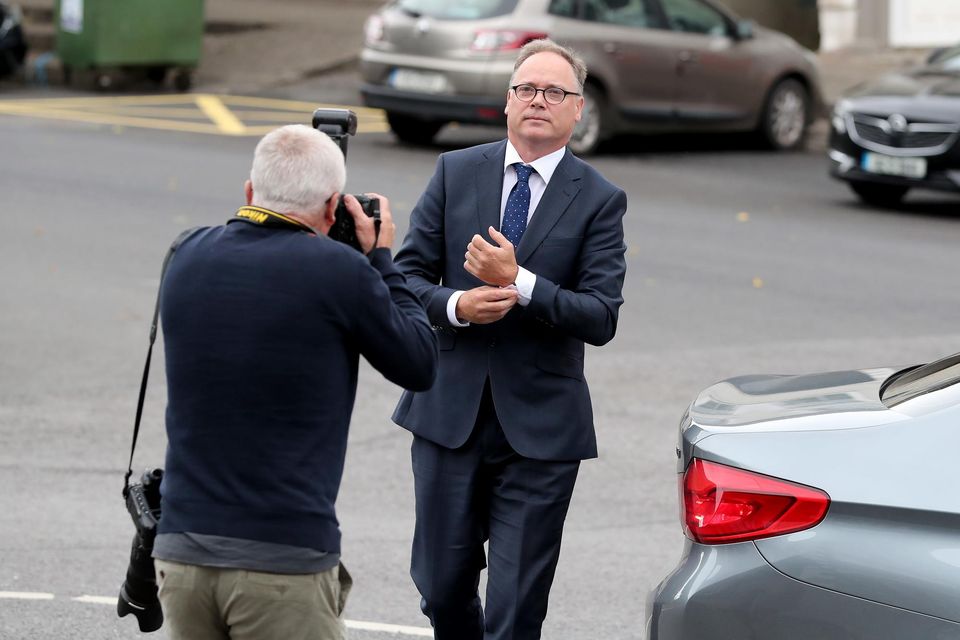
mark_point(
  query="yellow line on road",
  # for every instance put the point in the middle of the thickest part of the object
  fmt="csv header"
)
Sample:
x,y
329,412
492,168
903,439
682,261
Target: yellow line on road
x,y
275,103
105,118
221,115
262,130
111,100
194,113
186,112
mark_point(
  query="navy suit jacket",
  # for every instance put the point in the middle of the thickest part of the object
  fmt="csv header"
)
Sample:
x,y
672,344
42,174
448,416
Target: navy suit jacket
x,y
533,357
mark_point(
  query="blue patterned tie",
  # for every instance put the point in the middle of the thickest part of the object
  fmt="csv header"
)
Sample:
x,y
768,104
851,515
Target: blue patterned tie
x,y
518,204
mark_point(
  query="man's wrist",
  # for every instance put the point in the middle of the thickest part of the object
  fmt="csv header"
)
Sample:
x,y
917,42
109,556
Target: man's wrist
x,y
452,310
525,282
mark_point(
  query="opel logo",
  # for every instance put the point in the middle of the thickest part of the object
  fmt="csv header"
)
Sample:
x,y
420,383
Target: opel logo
x,y
423,25
898,124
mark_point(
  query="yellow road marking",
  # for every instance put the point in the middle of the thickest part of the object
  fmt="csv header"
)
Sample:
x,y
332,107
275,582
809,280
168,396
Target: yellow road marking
x,y
251,101
108,119
192,113
221,116
263,130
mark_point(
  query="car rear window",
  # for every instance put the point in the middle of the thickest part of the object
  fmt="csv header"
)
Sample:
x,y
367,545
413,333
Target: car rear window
x,y
457,10
923,379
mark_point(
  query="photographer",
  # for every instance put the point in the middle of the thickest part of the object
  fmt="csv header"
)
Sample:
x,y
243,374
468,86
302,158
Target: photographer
x,y
264,320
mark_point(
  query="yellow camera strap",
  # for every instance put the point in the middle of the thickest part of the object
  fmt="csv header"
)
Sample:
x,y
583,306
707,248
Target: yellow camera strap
x,y
267,218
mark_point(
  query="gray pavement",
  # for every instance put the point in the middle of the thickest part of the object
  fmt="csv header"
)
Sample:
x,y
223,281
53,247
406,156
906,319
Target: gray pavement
x,y
252,46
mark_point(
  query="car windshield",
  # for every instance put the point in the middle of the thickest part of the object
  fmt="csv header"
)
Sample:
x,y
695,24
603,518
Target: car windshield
x,y
460,10
924,379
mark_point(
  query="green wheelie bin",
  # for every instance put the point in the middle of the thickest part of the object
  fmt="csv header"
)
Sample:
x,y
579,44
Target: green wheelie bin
x,y
115,38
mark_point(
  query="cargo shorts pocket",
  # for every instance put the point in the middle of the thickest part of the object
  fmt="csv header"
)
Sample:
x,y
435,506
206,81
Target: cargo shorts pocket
x,y
346,583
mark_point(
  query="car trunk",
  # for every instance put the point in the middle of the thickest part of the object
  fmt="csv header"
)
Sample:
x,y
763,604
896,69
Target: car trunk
x,y
892,531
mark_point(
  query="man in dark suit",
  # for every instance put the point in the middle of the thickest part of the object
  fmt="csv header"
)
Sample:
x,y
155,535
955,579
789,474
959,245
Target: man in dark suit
x,y
499,437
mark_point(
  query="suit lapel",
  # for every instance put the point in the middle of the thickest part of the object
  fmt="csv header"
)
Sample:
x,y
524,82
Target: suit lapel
x,y
489,185
564,185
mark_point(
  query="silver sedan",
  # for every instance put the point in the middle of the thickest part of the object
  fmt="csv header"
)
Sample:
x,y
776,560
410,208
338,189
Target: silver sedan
x,y
818,506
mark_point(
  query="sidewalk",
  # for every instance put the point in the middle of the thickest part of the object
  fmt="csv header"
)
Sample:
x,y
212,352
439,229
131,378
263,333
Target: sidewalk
x,y
252,46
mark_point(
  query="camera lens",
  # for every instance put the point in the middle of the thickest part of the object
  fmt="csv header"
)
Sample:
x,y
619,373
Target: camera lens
x,y
138,595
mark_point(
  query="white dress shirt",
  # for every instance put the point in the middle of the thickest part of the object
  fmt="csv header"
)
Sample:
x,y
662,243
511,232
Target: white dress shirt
x,y
539,179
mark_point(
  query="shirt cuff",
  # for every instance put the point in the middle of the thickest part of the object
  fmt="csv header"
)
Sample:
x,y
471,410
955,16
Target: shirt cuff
x,y
452,310
525,282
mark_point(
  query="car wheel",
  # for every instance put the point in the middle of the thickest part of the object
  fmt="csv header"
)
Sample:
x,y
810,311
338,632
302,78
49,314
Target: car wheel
x,y
784,122
880,195
591,129
413,130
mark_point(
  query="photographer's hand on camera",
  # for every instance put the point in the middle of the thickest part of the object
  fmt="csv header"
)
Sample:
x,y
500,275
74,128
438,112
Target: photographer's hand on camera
x,y
365,228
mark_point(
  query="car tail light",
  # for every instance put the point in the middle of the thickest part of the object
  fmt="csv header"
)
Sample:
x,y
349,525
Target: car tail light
x,y
723,504
373,29
503,39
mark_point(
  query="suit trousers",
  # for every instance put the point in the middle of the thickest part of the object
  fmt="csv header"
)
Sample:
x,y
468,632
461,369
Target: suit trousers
x,y
485,491
210,603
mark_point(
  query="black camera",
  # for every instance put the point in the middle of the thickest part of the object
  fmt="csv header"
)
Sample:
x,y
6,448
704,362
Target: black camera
x,y
339,124
138,595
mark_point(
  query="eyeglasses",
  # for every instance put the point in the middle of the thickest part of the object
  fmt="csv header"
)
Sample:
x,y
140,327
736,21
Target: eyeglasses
x,y
553,95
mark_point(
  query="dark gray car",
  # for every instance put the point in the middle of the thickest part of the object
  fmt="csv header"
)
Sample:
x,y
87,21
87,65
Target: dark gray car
x,y
900,132
655,65
818,506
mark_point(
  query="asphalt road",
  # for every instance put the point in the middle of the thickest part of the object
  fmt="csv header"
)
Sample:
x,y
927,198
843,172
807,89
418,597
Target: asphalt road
x,y
740,261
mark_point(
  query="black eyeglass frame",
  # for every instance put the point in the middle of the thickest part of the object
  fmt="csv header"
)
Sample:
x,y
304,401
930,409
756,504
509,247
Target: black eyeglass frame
x,y
544,92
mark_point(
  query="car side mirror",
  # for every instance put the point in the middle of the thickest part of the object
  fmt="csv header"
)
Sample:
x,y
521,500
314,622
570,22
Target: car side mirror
x,y
743,29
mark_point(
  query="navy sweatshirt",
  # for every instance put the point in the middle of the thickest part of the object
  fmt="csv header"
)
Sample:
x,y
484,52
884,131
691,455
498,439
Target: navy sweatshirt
x,y
263,330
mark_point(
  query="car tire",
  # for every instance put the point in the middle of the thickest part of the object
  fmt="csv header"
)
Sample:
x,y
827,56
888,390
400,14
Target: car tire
x,y
879,195
592,128
783,125
413,130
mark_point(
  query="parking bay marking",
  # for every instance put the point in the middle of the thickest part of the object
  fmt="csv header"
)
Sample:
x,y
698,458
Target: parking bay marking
x,y
190,113
360,625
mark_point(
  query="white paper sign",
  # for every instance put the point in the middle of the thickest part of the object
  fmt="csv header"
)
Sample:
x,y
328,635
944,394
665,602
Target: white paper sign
x,y
71,15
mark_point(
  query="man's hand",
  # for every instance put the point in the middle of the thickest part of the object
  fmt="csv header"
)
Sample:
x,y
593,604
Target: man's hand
x,y
484,305
366,232
495,265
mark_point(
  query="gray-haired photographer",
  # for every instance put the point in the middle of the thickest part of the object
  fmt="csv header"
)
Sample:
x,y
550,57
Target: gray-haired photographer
x,y
265,319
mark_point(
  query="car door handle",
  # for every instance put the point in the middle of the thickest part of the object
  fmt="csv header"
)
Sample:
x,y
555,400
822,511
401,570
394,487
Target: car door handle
x,y
610,47
687,56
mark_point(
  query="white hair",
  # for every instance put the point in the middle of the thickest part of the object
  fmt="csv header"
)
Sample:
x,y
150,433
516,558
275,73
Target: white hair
x,y
296,169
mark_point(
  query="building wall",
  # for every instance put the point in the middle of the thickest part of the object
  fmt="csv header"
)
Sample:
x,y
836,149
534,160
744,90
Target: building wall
x,y
834,24
838,24
924,23
889,23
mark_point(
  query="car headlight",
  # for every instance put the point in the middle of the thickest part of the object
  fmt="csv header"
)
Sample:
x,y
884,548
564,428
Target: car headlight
x,y
838,118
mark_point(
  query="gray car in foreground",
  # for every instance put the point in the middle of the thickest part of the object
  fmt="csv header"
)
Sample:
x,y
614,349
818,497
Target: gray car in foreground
x,y
818,507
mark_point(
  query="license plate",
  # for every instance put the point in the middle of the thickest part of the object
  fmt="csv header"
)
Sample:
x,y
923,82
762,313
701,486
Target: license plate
x,y
894,166
422,81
